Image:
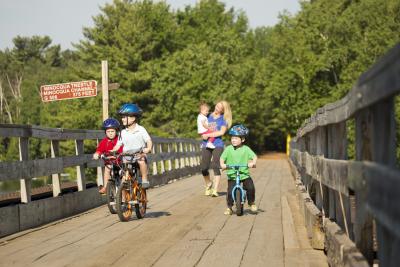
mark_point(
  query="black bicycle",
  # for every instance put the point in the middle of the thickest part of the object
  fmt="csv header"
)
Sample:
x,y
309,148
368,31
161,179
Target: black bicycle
x,y
114,182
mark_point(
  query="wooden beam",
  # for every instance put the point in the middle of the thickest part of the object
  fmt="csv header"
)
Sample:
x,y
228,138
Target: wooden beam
x,y
104,80
111,86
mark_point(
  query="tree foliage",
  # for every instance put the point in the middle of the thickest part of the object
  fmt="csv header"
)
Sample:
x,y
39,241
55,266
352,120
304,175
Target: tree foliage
x,y
167,61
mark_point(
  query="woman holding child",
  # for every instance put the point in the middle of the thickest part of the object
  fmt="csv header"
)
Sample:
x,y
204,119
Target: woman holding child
x,y
219,121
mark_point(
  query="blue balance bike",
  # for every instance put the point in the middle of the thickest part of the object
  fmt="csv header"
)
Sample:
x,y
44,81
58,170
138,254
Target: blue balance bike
x,y
238,192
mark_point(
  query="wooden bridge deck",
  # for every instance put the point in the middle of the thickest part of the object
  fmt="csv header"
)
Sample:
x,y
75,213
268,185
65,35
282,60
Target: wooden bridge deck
x,y
182,228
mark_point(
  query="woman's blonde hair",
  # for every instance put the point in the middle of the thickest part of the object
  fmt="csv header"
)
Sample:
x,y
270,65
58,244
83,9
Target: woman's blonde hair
x,y
227,113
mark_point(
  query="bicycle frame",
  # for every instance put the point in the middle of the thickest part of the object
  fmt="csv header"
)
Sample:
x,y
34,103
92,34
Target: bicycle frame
x,y
238,185
114,169
131,175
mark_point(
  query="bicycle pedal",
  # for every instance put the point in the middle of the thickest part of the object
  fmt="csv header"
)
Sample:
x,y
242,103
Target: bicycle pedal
x,y
112,203
133,202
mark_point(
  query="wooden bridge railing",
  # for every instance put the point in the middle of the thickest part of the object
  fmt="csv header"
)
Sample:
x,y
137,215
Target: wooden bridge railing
x,y
361,196
171,158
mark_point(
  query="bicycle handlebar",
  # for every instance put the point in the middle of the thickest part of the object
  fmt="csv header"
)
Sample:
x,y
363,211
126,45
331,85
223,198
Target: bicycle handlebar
x,y
236,166
108,157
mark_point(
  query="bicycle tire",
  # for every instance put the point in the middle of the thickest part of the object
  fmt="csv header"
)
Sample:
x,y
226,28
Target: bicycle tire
x,y
124,208
111,197
140,208
238,202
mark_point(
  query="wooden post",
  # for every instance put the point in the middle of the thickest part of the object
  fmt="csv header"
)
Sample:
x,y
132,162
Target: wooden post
x,y
104,85
169,161
363,227
162,166
176,150
155,171
191,157
55,177
187,158
314,189
80,170
322,149
384,152
198,150
339,204
182,157
100,178
25,184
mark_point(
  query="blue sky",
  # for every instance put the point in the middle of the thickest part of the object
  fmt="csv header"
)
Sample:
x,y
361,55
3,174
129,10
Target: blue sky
x,y
63,20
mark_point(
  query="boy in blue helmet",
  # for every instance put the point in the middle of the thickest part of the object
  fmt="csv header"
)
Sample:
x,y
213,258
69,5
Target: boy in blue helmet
x,y
239,154
135,137
111,128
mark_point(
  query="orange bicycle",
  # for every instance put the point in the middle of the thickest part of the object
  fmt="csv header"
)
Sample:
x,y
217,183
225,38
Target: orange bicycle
x,y
130,195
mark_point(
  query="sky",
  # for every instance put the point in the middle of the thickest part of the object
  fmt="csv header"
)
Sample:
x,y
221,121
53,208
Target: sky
x,y
63,20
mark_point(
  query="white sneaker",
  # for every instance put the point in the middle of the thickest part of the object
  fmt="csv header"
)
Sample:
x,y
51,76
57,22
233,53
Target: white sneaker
x,y
228,211
210,145
208,191
253,208
145,184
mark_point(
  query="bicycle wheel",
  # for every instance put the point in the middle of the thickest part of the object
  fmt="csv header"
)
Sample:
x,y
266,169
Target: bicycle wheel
x,y
123,205
111,196
140,207
238,202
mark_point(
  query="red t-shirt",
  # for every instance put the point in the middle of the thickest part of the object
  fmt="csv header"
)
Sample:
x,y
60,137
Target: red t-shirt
x,y
106,145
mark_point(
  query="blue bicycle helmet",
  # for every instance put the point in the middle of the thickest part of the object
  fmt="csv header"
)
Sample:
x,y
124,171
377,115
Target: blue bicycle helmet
x,y
111,123
239,130
130,109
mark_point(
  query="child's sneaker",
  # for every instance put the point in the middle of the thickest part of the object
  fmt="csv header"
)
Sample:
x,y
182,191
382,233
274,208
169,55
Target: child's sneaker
x,y
253,208
145,184
210,145
208,190
228,211
214,193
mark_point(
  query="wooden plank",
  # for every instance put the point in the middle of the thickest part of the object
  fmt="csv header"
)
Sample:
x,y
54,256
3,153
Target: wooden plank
x,y
156,156
111,86
41,167
289,231
65,134
331,172
341,251
15,130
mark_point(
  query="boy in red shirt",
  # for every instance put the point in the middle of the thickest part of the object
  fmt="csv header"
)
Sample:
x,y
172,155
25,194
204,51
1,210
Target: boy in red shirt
x,y
111,127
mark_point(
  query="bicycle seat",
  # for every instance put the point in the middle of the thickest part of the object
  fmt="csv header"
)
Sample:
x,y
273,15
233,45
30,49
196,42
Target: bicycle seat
x,y
131,156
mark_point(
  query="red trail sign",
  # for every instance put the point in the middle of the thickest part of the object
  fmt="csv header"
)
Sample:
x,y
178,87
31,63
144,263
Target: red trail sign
x,y
70,90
